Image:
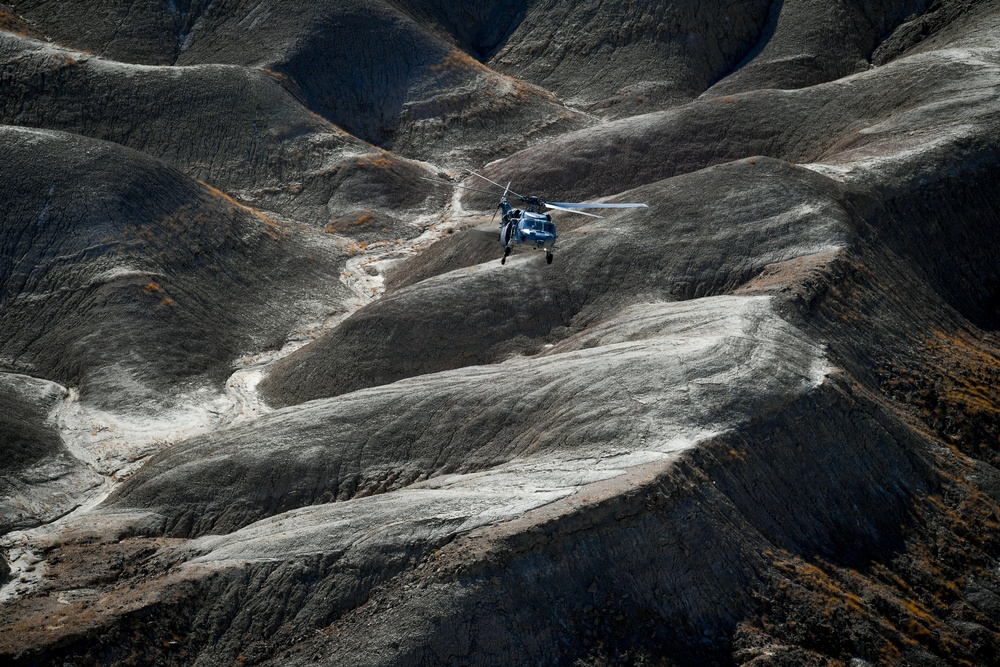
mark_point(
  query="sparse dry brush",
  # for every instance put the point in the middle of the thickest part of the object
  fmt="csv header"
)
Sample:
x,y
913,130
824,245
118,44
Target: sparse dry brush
x,y
376,162
458,60
271,228
894,611
345,225
14,23
954,387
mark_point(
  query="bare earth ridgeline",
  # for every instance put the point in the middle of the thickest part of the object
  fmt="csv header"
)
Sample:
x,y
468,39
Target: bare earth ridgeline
x,y
263,401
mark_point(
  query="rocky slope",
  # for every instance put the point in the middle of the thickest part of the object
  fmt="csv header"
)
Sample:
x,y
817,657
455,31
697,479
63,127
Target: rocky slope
x,y
265,400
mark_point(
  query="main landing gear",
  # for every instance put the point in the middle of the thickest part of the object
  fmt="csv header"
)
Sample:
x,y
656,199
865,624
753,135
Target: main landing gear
x,y
506,254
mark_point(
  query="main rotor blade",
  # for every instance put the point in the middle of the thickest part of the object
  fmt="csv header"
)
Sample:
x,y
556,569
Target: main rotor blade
x,y
456,185
563,208
494,182
589,205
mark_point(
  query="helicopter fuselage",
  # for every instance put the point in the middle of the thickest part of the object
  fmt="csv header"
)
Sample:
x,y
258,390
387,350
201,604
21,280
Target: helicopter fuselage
x,y
528,228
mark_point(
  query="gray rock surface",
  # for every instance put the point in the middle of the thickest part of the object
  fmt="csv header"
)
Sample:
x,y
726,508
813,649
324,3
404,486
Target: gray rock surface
x,y
266,148
856,119
297,414
395,81
40,478
622,57
680,248
383,439
123,277
809,42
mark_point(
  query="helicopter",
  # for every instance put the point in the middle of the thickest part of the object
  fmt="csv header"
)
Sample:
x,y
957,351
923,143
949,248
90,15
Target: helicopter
x,y
530,226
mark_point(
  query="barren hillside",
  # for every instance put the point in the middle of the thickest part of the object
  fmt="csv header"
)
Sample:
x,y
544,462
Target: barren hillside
x,y
267,398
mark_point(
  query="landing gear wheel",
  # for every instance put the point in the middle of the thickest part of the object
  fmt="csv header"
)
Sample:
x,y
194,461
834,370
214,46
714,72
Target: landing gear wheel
x,y
548,258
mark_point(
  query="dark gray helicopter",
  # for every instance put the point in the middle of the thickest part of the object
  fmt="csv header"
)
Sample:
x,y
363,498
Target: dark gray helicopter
x,y
529,226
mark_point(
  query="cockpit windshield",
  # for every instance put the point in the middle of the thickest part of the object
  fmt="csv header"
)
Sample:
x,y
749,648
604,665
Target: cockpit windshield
x,y
538,225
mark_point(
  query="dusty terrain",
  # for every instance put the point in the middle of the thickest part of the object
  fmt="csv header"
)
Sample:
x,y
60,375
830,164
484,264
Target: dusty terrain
x,y
265,399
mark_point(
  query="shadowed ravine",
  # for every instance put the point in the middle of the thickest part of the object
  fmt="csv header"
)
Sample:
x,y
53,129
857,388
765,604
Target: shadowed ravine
x,y
266,399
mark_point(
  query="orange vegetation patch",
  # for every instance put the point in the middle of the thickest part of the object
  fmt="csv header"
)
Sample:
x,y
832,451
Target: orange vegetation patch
x,y
726,452
64,58
458,60
818,581
977,383
271,228
521,89
342,225
954,387
965,511
913,601
13,23
355,248
376,161
280,77
153,289
822,609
